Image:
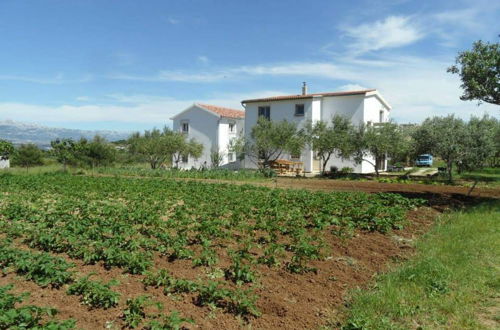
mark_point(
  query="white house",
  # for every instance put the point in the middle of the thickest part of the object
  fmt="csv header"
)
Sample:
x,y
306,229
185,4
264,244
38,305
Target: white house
x,y
363,106
214,127
4,162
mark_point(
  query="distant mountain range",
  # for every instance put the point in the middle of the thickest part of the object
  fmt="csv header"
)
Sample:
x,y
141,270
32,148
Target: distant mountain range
x,y
19,133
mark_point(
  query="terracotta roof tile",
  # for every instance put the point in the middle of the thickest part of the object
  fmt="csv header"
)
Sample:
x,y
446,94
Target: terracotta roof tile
x,y
224,112
307,96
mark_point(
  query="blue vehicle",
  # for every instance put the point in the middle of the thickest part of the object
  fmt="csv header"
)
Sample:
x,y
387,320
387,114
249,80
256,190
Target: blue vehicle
x,y
424,160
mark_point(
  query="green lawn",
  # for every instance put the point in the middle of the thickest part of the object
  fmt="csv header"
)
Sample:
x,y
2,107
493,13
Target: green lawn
x,y
453,282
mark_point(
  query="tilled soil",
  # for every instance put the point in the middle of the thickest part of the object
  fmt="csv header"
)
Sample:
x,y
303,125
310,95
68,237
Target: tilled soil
x,y
287,301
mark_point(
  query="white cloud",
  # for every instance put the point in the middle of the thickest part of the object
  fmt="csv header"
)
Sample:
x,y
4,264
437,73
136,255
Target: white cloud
x,y
83,99
203,59
140,109
173,21
392,32
58,79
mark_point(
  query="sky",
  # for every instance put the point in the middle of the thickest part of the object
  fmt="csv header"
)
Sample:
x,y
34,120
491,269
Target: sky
x,y
131,65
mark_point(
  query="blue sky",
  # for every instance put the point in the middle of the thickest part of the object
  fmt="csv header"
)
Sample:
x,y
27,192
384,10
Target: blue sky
x,y
131,65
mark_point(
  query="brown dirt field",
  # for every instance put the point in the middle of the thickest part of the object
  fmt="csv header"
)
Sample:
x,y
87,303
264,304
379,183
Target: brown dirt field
x,y
287,301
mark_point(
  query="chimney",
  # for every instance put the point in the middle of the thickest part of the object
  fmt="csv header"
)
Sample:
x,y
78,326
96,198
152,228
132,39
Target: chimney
x,y
304,88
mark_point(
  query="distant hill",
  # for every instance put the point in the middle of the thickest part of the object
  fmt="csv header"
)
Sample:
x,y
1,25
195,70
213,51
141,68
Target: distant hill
x,y
19,133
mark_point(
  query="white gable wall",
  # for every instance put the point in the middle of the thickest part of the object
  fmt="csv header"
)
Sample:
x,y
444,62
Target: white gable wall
x,y
203,127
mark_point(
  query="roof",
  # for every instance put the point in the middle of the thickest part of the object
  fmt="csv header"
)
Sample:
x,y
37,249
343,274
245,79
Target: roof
x,y
307,96
214,110
223,112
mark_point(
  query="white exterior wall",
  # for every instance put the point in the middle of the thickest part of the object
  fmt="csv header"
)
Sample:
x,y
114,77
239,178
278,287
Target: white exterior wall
x,y
280,110
203,128
225,137
350,107
4,163
357,108
210,130
372,109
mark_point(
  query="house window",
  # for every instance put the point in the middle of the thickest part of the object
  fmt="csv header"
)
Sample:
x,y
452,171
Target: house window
x,y
381,116
185,127
230,157
299,110
185,158
232,127
295,155
265,112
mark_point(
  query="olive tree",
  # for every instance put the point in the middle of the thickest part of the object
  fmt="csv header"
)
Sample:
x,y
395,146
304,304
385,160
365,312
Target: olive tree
x,y
373,143
443,137
187,148
479,144
479,70
94,153
331,139
28,155
64,151
270,140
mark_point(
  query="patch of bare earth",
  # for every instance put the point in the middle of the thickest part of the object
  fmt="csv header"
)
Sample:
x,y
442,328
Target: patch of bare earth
x,y
287,301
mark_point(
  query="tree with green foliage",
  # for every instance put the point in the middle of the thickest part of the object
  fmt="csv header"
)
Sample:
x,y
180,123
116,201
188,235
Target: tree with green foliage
x,y
64,151
94,153
161,146
270,140
479,144
443,137
406,152
28,155
185,149
6,149
155,147
373,143
331,139
479,70
216,158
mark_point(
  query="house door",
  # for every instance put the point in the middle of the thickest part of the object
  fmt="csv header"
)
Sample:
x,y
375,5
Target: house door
x,y
316,164
381,164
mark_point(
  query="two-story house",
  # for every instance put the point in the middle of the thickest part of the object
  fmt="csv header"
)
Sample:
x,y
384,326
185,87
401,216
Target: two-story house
x,y
214,127
363,106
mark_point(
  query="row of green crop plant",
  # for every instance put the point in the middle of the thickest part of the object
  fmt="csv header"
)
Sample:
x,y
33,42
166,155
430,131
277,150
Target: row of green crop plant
x,y
122,222
13,316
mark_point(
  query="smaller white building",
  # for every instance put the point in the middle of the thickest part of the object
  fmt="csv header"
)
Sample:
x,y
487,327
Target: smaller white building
x,y
4,162
214,127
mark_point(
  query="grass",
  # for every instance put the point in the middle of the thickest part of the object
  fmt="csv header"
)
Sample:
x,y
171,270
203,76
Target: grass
x,y
453,282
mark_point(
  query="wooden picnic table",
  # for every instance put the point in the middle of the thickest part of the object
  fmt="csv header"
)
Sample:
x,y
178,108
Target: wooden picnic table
x,y
287,167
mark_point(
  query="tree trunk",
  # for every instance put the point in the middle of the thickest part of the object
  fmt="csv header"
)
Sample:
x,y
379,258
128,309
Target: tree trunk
x,y
450,167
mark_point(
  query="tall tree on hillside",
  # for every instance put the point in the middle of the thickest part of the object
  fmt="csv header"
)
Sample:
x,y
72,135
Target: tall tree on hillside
x,y
270,140
331,139
375,142
479,70
443,137
28,155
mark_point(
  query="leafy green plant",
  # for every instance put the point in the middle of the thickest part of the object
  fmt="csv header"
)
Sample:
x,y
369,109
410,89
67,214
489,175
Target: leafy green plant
x,y
95,293
27,316
173,321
